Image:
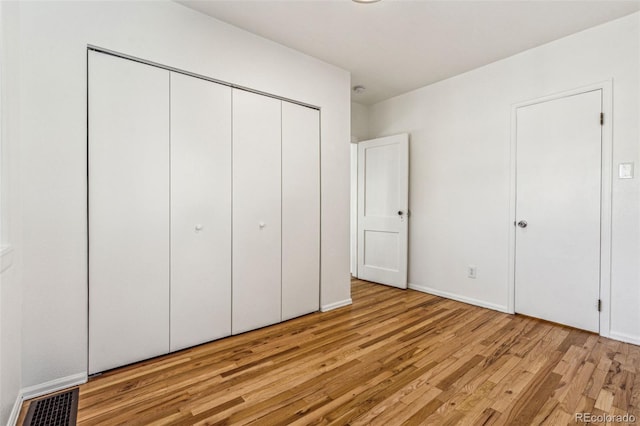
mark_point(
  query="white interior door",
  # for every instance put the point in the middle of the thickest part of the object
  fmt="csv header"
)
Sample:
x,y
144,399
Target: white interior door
x,y
300,210
383,215
128,212
558,210
200,211
257,197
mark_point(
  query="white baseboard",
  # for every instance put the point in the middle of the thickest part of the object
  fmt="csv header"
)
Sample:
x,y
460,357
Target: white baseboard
x,y
53,385
15,411
335,305
459,298
623,337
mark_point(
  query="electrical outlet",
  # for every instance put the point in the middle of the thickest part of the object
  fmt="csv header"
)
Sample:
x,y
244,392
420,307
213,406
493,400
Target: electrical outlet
x,y
471,271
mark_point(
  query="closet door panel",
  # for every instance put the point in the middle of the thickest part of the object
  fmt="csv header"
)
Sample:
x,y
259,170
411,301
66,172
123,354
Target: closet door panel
x,y
200,211
128,212
256,211
300,210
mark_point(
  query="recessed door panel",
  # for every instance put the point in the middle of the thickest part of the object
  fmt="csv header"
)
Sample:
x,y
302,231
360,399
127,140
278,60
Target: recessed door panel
x,y
381,180
257,216
381,250
128,212
300,210
200,211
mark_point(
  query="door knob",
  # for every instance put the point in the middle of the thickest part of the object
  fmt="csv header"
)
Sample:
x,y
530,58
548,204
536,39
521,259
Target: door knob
x,y
400,212
522,224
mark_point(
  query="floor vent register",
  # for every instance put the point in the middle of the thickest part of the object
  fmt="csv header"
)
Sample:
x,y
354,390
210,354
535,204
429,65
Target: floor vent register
x,y
56,410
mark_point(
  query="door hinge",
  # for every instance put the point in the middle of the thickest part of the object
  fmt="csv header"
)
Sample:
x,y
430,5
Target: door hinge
x,y
601,118
599,305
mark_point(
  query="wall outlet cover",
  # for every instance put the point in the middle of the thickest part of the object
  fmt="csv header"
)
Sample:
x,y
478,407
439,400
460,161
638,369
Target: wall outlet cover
x,y
625,171
471,271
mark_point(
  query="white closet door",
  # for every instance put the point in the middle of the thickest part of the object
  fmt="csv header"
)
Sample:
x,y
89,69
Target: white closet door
x,y
128,212
200,211
558,184
256,211
300,210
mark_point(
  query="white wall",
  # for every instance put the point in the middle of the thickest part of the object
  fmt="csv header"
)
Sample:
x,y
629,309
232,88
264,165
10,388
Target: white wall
x,y
460,165
52,150
359,122
10,336
10,289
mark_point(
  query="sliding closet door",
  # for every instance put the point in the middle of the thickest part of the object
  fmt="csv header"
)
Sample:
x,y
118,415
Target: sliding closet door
x,y
128,212
256,211
200,211
300,210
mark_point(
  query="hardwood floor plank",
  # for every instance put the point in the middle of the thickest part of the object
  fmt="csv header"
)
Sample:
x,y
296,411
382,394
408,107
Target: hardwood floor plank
x,y
421,416
464,368
533,401
393,357
488,417
597,379
558,417
604,401
576,386
380,394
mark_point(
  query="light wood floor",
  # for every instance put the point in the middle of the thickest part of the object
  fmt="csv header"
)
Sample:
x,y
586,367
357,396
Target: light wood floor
x,y
393,357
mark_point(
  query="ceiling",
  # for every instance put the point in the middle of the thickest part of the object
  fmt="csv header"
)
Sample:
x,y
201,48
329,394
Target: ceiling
x,y
394,46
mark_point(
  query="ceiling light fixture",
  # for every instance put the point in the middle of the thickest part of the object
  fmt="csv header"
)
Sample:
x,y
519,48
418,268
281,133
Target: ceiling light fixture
x,y
359,89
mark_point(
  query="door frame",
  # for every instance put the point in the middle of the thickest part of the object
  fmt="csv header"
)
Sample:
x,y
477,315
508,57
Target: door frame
x,y
353,207
605,196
